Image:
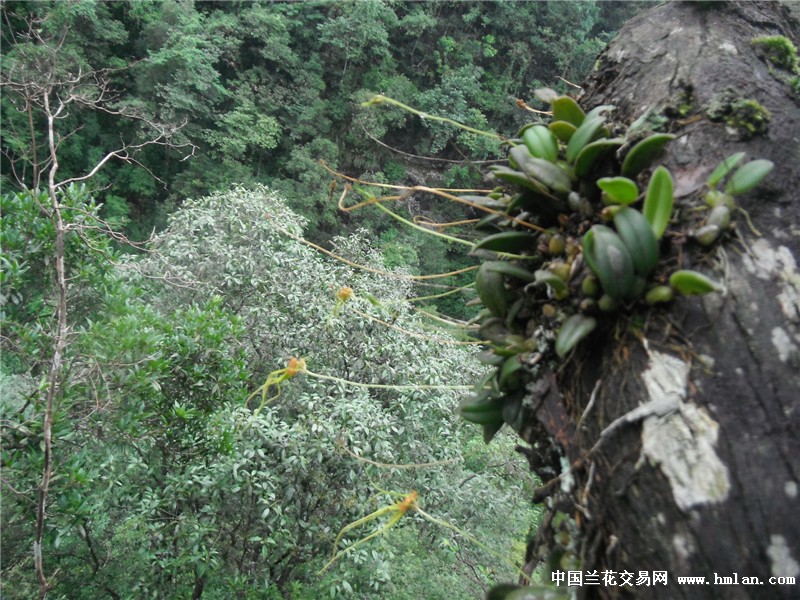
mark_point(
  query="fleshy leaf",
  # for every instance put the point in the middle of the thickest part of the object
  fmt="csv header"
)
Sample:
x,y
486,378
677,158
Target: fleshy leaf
x,y
546,95
620,190
582,136
591,152
724,168
491,289
692,283
566,109
508,241
573,331
562,130
749,176
658,201
643,153
512,270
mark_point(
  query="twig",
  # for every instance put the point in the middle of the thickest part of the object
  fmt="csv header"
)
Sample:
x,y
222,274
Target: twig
x,y
341,443
418,335
429,158
415,278
448,194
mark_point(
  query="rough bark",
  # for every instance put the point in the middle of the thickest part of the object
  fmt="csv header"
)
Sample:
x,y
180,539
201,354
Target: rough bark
x,y
708,484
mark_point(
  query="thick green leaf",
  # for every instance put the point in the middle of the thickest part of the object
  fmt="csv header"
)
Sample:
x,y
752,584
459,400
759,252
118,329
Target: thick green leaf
x,y
517,178
643,153
541,142
493,203
551,175
659,295
490,430
558,285
537,202
610,260
562,130
482,411
573,331
587,157
508,241
489,223
566,109
724,168
546,95
588,244
511,270
587,132
638,236
513,413
692,283
749,176
619,190
509,377
491,289
494,330
658,201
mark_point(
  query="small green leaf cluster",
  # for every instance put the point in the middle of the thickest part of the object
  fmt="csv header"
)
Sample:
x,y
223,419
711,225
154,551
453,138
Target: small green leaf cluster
x,y
588,232
721,202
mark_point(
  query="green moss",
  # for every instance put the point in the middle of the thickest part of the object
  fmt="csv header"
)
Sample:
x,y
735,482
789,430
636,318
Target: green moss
x,y
657,122
778,50
746,115
749,118
681,105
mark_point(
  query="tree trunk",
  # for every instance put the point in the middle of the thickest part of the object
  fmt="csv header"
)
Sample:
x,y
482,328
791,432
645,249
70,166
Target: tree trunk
x,y
708,485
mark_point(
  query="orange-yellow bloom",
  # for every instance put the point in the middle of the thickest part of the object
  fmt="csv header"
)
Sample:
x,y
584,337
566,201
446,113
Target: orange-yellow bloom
x,y
344,294
295,366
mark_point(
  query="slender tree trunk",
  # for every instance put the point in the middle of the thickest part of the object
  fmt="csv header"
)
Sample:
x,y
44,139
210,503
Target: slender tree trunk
x,y
701,475
34,157
56,362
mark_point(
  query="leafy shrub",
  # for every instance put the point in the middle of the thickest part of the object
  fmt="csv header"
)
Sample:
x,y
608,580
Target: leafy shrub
x,y
169,484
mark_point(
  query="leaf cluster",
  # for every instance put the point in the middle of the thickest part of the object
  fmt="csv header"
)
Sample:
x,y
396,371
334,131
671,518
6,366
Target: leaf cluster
x,y
589,232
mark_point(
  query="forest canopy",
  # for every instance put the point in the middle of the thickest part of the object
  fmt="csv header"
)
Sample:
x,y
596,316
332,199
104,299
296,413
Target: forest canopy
x,y
264,90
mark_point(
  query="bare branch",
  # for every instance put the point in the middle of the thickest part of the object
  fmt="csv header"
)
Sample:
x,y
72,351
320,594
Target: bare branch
x,y
55,383
124,155
11,162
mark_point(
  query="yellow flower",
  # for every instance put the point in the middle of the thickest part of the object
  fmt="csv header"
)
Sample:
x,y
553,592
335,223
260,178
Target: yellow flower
x,y
344,294
295,366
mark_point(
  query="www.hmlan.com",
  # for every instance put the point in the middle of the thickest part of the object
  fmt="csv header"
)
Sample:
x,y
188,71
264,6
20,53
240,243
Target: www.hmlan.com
x,y
650,578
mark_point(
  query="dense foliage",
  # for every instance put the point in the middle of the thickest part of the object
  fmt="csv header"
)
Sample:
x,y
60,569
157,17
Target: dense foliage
x,y
264,90
168,485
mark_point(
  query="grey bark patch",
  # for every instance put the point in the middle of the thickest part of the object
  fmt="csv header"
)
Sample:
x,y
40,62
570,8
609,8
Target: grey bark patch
x,y
783,563
683,443
784,345
790,487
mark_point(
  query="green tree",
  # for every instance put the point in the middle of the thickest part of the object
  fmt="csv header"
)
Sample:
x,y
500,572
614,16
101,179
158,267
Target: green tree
x,y
171,485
